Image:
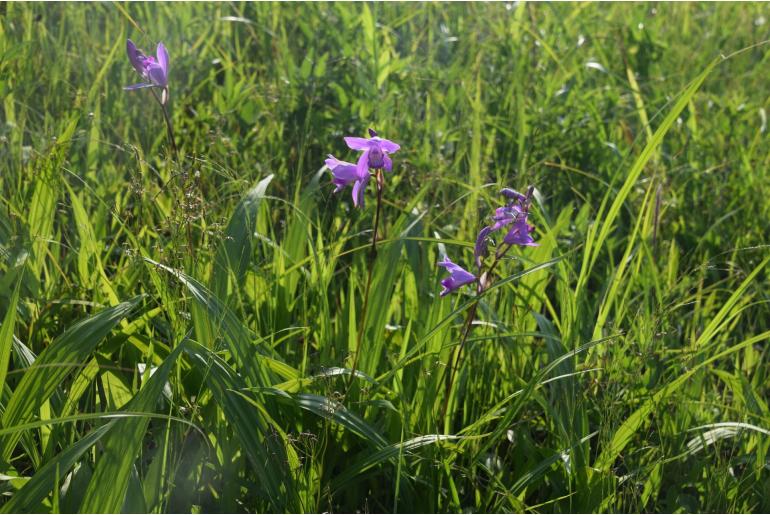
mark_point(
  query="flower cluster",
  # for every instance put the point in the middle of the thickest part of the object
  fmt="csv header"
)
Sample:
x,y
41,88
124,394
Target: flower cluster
x,y
374,156
512,217
154,70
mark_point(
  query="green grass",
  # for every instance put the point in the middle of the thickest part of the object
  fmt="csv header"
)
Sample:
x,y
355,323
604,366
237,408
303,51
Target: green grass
x,y
180,337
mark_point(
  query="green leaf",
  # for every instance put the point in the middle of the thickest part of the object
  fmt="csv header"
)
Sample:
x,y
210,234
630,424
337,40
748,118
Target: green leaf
x,y
262,446
6,333
107,490
236,249
388,453
54,364
41,483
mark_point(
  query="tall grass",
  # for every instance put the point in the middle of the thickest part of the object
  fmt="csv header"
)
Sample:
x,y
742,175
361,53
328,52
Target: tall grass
x,y
190,336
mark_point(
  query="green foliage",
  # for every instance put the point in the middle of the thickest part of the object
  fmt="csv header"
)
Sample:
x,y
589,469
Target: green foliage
x,y
178,335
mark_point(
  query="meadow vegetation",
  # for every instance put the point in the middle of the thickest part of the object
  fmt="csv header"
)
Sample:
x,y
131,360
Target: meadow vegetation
x,y
212,332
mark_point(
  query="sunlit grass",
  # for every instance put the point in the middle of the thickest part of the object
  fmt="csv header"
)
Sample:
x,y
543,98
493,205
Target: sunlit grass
x,y
179,335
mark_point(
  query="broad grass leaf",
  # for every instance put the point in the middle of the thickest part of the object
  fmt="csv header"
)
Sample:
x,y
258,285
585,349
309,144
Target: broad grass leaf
x,y
266,452
55,363
107,490
6,332
236,250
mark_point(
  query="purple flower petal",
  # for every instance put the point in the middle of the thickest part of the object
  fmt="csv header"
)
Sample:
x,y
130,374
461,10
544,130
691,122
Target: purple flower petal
x,y
519,234
363,165
513,194
387,162
138,86
357,143
157,75
387,145
162,54
359,187
343,173
135,56
458,277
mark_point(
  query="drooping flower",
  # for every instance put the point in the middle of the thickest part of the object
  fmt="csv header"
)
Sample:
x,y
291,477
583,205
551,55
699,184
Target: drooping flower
x,y
513,194
375,154
480,249
154,70
458,276
345,173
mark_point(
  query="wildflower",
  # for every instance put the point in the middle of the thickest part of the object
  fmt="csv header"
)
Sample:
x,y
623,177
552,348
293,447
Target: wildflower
x,y
155,71
458,276
345,173
375,154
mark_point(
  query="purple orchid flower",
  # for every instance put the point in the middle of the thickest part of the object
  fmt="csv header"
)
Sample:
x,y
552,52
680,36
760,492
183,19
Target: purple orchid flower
x,y
458,277
345,173
375,154
155,71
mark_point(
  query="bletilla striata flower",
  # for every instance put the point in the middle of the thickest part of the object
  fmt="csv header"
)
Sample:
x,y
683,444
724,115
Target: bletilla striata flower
x,y
375,150
345,173
154,70
458,276
375,156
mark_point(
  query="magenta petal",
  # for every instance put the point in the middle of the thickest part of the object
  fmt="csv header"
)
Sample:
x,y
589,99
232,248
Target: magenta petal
x,y
357,143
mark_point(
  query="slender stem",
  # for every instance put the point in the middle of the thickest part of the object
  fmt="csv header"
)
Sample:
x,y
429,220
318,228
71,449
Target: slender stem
x,y
169,127
372,256
380,187
454,359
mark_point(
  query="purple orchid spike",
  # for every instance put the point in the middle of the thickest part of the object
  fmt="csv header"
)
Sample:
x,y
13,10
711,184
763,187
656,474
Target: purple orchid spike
x,y
155,71
514,215
375,154
458,276
345,173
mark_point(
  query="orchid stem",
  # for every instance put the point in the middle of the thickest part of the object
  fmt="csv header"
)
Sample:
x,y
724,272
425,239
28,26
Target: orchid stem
x,y
169,127
372,256
454,361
